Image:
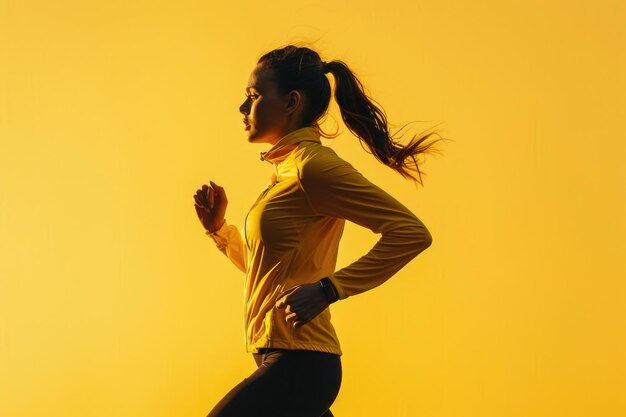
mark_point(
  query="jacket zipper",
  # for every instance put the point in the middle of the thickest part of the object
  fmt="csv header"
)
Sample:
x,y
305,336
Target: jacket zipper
x,y
245,233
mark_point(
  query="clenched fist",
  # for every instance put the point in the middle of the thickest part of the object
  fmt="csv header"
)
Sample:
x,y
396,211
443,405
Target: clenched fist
x,y
302,303
210,203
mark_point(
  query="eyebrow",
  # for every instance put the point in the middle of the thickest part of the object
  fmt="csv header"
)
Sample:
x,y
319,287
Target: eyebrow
x,y
248,88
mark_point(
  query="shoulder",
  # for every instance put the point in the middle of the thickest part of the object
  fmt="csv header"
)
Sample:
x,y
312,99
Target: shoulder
x,y
321,163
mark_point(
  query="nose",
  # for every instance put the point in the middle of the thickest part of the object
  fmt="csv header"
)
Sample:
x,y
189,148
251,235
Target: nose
x,y
243,109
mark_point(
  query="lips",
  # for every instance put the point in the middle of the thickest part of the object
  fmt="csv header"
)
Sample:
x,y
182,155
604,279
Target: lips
x,y
246,122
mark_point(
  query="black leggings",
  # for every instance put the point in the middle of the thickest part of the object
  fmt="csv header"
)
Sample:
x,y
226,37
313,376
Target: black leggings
x,y
287,383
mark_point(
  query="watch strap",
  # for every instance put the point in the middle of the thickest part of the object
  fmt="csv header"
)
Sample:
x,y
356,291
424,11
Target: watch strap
x,y
329,289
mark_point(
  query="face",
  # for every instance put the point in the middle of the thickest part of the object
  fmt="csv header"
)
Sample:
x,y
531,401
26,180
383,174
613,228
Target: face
x,y
270,115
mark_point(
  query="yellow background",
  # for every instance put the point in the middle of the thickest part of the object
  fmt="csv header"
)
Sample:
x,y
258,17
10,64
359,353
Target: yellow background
x,y
113,302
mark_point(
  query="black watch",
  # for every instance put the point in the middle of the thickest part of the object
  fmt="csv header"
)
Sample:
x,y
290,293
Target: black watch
x,y
329,290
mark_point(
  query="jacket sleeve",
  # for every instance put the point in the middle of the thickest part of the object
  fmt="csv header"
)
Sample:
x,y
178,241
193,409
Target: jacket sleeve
x,y
229,241
333,187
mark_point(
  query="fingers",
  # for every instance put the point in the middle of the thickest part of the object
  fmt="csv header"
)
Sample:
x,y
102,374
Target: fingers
x,y
217,187
197,202
290,316
205,196
200,211
211,198
293,318
219,191
297,323
201,195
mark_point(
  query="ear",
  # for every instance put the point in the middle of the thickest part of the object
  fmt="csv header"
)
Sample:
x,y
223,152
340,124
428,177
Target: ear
x,y
294,100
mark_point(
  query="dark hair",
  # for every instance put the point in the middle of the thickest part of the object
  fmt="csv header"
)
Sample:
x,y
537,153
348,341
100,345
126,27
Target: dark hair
x,y
302,69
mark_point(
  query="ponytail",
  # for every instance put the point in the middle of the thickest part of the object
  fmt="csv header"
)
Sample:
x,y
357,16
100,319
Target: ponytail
x,y
301,68
369,123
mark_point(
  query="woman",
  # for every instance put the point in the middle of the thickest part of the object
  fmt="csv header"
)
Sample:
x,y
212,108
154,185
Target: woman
x,y
288,249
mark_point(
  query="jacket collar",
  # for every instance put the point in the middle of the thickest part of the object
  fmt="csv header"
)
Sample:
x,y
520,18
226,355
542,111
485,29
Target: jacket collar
x,y
279,151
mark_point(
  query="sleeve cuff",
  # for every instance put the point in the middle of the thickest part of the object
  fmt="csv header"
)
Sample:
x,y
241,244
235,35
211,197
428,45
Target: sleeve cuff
x,y
220,235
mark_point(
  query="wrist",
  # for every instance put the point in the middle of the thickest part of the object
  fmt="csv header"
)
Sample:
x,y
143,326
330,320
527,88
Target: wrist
x,y
329,290
215,229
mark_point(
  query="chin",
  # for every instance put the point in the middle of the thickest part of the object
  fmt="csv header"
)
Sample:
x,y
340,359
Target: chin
x,y
254,137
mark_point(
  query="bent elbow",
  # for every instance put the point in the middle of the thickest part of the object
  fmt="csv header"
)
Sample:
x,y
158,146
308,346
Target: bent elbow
x,y
427,239
423,238
415,236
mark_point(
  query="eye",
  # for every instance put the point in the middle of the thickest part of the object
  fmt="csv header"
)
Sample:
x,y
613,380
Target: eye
x,y
252,95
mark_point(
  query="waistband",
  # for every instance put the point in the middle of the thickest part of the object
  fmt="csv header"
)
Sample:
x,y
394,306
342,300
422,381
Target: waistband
x,y
265,350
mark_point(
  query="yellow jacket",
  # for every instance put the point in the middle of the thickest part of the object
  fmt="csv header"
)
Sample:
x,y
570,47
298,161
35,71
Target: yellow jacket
x,y
291,237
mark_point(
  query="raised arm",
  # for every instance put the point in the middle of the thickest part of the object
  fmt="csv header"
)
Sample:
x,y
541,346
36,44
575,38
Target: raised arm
x,y
210,204
335,188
